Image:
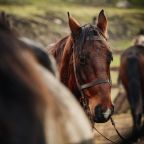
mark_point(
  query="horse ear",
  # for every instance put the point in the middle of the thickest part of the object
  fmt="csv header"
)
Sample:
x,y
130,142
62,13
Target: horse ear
x,y
4,21
73,24
102,22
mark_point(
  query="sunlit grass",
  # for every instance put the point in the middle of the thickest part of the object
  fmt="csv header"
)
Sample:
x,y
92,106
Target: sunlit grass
x,y
114,77
25,10
121,44
80,11
116,60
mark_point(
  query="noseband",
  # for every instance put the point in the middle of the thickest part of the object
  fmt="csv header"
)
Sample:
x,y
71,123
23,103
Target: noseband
x,y
78,48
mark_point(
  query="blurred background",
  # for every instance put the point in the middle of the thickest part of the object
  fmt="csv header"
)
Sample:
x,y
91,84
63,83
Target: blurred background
x,y
45,21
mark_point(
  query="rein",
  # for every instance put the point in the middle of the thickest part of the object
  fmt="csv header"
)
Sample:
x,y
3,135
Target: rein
x,y
113,124
84,100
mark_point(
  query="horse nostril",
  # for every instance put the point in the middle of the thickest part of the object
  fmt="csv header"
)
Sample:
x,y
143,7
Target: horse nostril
x,y
103,114
98,110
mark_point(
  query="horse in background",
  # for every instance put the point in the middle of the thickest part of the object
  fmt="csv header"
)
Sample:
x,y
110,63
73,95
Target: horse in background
x,y
35,108
83,60
139,40
132,77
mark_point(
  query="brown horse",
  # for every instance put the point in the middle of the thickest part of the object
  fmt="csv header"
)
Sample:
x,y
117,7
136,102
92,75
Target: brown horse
x,y
35,108
83,60
132,77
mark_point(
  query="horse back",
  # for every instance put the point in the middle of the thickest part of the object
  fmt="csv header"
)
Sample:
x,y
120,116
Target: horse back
x,y
132,59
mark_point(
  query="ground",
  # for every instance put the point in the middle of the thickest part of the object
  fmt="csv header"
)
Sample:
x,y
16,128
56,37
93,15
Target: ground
x,y
123,123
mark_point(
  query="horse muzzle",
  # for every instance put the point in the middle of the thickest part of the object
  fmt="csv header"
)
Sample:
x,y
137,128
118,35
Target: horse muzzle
x,y
101,115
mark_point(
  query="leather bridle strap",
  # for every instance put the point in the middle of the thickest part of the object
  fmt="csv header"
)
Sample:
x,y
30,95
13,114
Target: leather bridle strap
x,y
94,83
84,99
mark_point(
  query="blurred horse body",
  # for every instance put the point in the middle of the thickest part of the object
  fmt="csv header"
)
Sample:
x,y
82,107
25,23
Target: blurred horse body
x,y
34,107
132,77
83,60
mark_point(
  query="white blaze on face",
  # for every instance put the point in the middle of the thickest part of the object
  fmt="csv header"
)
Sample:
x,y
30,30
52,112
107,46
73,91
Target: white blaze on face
x,y
107,113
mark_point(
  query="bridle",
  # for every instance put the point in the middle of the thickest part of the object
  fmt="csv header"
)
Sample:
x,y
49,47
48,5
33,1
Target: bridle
x,y
84,100
84,30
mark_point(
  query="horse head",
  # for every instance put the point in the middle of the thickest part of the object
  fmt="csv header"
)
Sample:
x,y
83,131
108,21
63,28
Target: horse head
x,y
91,60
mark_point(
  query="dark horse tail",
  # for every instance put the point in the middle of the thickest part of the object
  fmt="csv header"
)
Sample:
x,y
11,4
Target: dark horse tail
x,y
135,93
134,97
134,84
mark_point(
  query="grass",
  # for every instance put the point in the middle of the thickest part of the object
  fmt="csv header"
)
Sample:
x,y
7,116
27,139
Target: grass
x,y
114,77
24,11
80,11
118,18
122,22
121,44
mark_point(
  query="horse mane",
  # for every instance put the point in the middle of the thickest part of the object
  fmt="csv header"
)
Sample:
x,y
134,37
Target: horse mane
x,y
57,49
65,66
62,51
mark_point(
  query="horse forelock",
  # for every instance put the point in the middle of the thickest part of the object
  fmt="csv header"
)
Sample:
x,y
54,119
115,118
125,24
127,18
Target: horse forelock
x,y
87,32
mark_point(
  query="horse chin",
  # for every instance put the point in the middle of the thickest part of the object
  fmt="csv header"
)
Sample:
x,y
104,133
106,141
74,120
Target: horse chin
x,y
102,120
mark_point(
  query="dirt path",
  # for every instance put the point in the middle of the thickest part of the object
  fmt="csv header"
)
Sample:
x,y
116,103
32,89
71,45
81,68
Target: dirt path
x,y
123,123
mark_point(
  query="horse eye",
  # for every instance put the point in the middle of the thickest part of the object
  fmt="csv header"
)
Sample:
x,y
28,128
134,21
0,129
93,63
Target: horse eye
x,y
111,58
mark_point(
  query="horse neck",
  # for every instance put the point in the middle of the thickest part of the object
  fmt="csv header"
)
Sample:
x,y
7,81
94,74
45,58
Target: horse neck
x,y
62,51
66,68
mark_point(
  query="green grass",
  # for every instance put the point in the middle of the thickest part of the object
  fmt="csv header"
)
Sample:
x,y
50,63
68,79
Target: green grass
x,y
118,18
116,60
121,44
80,11
114,76
24,11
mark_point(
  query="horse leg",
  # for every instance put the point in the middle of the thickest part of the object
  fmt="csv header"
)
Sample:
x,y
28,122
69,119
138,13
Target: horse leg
x,y
135,99
136,104
137,121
